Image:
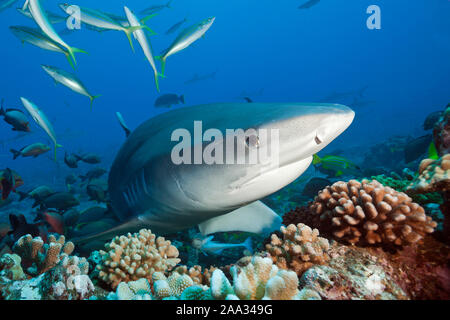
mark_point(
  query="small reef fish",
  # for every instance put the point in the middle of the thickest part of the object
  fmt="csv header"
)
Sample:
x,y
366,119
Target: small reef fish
x,y
196,78
98,19
140,36
185,39
335,165
5,4
40,17
16,118
60,201
8,182
156,8
69,80
37,194
93,174
71,160
52,17
175,27
309,4
39,39
90,158
208,246
169,99
20,227
122,124
41,119
96,193
33,150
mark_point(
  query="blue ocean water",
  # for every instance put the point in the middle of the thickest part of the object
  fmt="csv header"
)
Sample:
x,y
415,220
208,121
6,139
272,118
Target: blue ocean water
x,y
268,51
289,54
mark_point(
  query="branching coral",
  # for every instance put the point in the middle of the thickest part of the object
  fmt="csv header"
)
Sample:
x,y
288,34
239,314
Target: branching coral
x,y
39,257
368,213
196,274
173,286
133,290
255,278
136,256
299,248
51,275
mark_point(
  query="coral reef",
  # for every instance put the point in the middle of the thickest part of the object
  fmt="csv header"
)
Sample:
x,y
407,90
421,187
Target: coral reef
x,y
173,286
136,256
198,276
368,213
50,274
299,248
401,185
133,290
434,176
38,257
352,273
256,278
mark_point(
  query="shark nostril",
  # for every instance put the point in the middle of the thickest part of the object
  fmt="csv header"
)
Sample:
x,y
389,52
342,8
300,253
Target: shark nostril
x,y
317,140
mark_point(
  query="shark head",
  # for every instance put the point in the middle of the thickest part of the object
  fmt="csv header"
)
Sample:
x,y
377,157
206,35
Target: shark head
x,y
277,146
146,180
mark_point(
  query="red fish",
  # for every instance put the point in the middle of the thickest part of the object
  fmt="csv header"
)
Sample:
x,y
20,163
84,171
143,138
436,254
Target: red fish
x,y
55,220
9,181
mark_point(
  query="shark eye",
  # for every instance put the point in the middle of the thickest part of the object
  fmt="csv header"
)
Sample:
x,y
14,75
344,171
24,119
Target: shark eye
x,y
317,140
252,141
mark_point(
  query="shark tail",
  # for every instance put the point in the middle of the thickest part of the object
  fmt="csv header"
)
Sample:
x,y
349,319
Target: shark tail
x,y
248,244
92,98
2,111
316,159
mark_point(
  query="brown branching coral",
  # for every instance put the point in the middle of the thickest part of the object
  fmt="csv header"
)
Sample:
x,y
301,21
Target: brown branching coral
x,y
299,248
199,276
39,257
368,213
135,256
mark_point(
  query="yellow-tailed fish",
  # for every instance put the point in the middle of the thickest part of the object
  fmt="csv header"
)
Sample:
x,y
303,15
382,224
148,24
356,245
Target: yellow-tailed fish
x,y
69,80
39,39
140,36
40,17
41,119
185,39
98,19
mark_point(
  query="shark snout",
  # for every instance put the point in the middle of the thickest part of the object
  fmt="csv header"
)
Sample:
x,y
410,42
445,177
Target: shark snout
x,y
332,124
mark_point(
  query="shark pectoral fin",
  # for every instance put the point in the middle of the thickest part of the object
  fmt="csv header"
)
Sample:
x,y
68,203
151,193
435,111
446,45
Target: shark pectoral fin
x,y
255,218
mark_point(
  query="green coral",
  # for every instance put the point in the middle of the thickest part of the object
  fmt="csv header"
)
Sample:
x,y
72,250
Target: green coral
x,y
401,185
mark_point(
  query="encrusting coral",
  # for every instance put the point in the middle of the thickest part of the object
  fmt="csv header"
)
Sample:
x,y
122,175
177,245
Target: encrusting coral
x,y
299,248
136,256
367,213
434,176
38,257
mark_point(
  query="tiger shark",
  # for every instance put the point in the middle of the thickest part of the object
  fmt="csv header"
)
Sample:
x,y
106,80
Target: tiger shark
x,y
149,190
